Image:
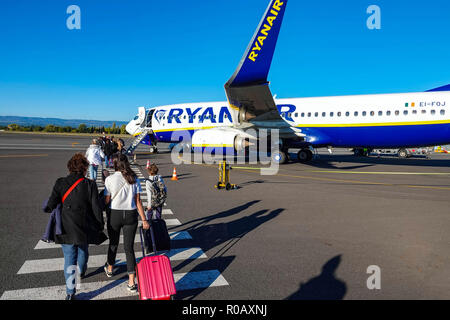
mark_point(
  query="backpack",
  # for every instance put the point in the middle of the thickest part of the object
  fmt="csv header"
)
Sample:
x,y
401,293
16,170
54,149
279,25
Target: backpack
x,y
159,193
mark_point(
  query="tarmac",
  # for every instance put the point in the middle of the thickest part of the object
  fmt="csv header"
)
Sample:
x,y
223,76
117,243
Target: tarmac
x,y
311,231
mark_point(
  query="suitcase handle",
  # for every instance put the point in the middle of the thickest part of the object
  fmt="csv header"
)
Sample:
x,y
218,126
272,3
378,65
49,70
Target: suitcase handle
x,y
142,240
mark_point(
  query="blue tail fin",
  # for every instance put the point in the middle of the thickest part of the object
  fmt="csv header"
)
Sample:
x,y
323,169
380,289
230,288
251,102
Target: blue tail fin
x,y
443,88
255,64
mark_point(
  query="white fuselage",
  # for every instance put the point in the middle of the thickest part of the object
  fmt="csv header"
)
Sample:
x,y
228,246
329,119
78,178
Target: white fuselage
x,y
421,118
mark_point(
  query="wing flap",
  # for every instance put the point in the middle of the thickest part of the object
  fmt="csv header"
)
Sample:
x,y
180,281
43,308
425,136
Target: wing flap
x,y
247,90
252,101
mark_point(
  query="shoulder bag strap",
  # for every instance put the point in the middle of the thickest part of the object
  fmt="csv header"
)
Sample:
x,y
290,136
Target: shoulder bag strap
x,y
112,198
71,188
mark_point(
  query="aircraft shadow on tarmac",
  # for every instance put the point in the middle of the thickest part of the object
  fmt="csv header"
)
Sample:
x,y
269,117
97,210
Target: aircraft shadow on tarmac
x,y
329,161
223,235
323,287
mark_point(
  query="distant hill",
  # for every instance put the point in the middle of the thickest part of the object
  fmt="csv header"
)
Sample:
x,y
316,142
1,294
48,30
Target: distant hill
x,y
74,123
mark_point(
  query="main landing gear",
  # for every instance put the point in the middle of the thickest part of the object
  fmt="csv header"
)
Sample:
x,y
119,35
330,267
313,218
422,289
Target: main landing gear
x,y
280,157
304,155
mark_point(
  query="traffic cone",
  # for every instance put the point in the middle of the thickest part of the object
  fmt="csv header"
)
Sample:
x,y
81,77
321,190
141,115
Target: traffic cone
x,y
174,175
148,164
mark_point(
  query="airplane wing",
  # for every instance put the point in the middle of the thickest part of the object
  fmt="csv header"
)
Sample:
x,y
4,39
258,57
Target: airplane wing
x,y
248,89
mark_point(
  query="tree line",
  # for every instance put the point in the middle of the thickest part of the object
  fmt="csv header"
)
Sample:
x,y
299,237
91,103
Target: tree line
x,y
82,128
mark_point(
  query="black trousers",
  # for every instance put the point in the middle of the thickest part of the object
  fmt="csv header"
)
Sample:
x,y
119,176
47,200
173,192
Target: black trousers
x,y
127,220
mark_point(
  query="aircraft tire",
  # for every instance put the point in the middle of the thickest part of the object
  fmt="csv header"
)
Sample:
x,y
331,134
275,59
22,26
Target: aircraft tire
x,y
402,154
304,155
279,157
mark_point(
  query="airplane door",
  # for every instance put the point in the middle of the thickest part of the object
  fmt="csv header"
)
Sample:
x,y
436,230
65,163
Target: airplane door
x,y
141,116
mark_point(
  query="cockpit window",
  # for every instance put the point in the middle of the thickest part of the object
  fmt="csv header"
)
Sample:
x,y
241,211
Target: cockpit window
x,y
135,118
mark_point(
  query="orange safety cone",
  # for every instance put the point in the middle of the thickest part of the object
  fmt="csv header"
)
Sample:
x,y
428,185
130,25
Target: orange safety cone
x,y
174,175
148,164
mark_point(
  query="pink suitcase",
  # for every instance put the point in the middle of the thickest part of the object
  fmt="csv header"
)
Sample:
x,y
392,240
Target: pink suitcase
x,y
154,275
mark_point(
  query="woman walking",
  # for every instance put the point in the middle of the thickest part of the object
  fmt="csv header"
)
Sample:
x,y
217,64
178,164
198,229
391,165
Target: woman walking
x,y
81,219
94,154
122,190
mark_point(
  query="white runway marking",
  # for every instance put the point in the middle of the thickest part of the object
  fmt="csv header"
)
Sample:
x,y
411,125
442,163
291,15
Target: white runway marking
x,y
57,264
181,235
172,222
116,288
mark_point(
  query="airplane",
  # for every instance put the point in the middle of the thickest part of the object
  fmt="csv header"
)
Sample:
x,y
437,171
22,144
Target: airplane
x,y
361,122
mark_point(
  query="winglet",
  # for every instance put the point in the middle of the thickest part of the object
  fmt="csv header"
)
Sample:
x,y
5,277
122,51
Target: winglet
x,y
255,64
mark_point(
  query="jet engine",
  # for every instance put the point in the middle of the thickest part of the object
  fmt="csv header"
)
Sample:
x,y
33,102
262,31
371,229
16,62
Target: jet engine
x,y
222,138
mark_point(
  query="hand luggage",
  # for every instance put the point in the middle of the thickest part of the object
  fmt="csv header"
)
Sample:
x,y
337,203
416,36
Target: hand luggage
x,y
154,275
160,233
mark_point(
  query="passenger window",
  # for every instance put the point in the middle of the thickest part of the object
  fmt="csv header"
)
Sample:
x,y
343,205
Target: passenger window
x,y
356,113
324,114
433,111
347,114
405,112
309,114
290,114
303,114
296,115
316,114
397,112
388,113
442,112
364,113
372,113
331,114
424,111
339,114
380,113
414,111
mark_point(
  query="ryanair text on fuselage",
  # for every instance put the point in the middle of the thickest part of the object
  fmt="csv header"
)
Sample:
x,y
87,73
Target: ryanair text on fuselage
x,y
175,115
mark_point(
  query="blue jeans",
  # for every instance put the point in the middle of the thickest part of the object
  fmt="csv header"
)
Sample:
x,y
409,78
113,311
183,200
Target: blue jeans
x,y
106,161
74,255
93,172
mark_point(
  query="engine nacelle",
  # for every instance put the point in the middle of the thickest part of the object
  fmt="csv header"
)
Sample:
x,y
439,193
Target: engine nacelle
x,y
245,115
221,138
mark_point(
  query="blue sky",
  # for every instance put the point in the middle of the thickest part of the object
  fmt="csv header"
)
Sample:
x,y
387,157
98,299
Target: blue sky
x,y
134,52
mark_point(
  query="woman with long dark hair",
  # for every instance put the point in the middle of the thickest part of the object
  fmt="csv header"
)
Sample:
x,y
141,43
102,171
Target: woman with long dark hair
x,y
122,190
